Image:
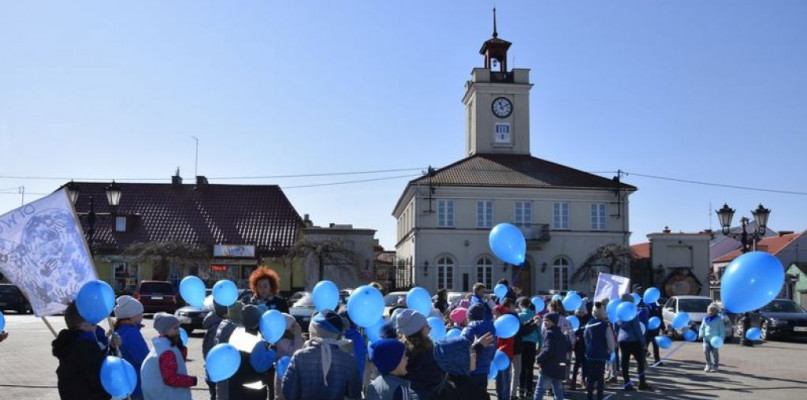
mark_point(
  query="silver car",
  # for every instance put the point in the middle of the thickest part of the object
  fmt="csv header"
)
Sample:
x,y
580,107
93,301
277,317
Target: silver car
x,y
695,306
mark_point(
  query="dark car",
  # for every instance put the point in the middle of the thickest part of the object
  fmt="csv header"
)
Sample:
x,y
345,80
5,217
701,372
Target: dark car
x,y
11,298
156,296
191,317
781,319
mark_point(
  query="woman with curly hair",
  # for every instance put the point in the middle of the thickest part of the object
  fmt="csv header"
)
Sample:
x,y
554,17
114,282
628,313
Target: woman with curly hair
x,y
265,285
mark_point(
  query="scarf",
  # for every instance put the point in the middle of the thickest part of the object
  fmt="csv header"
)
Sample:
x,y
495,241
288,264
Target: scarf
x,y
324,339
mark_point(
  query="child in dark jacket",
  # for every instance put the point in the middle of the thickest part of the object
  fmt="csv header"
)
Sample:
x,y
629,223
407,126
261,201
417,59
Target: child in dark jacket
x,y
129,315
553,354
579,350
81,349
389,357
422,369
211,324
478,326
600,343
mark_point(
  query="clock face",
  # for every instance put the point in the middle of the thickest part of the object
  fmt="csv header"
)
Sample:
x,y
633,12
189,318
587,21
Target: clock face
x,y
502,107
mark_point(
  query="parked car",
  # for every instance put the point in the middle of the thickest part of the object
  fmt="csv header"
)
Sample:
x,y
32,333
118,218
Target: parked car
x,y
11,298
296,296
156,296
781,318
391,300
191,317
696,307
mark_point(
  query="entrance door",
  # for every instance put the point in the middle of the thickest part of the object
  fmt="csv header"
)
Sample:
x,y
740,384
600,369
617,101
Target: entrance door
x,y
522,278
465,283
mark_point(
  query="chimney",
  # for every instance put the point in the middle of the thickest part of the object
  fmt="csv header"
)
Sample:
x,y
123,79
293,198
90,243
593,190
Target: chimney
x,y
201,180
666,230
176,180
307,221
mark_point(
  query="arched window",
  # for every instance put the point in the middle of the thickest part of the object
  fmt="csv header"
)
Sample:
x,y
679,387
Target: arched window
x,y
445,273
484,271
562,273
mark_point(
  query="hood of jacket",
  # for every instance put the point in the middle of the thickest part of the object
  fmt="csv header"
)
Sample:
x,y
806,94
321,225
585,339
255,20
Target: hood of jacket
x,y
63,342
453,356
211,320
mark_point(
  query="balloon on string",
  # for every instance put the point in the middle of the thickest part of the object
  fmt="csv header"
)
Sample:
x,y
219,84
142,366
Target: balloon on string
x,y
262,357
636,298
438,328
95,301
611,310
751,281
690,335
183,336
2,322
507,242
325,296
663,341
459,315
500,290
420,300
453,333
118,377
373,332
574,321
500,360
222,362
365,306
192,290
716,342
751,334
272,326
282,366
225,292
507,326
626,311
680,320
572,301
653,323
651,295
538,302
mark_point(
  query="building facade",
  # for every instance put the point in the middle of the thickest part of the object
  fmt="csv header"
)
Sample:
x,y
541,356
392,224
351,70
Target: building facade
x,y
576,224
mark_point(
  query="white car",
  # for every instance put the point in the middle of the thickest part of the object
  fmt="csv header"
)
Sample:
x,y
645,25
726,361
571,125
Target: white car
x,y
696,307
391,300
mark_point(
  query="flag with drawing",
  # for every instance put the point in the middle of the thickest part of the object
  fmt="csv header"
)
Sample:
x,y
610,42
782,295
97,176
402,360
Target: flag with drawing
x,y
43,252
611,286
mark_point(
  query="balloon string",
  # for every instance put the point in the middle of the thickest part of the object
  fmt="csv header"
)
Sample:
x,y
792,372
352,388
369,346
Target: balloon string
x,y
648,368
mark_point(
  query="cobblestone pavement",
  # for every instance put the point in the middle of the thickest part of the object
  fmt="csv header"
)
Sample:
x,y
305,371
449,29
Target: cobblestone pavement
x,y
774,370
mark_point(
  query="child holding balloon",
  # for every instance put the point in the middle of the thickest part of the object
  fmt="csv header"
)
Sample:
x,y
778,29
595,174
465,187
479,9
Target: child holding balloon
x,y
422,369
389,357
712,332
164,374
129,315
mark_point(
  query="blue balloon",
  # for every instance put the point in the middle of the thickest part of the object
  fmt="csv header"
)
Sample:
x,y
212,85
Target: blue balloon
x,y
751,281
373,332
716,342
453,333
507,326
611,310
2,322
572,301
95,301
574,321
680,320
183,336
500,360
653,323
222,362
365,306
492,373
690,335
751,334
438,328
418,299
273,326
612,357
325,296
636,299
262,357
538,303
118,377
500,290
225,293
282,366
651,295
192,290
663,341
626,311
507,242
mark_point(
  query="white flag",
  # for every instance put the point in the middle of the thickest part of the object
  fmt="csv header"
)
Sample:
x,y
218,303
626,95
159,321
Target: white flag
x,y
611,286
43,252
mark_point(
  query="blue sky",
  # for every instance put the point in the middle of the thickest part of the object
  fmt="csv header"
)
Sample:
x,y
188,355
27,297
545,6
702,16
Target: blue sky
x,y
712,91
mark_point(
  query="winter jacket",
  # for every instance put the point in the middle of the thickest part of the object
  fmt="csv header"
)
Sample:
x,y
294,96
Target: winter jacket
x,y
384,387
454,357
579,342
80,359
566,328
211,324
304,380
133,349
246,373
286,347
529,335
488,310
553,353
653,310
275,303
506,346
711,328
599,340
423,372
164,374
477,329
630,331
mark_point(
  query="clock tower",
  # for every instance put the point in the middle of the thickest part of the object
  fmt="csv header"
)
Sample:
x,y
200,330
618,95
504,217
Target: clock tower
x,y
497,103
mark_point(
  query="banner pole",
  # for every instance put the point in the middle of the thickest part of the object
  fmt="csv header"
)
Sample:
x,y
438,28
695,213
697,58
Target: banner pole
x,y
53,331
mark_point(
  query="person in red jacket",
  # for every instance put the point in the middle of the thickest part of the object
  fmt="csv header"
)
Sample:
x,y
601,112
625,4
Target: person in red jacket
x,y
507,346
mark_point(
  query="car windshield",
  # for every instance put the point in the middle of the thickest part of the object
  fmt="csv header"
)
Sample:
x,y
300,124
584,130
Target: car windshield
x,y
306,301
157,287
782,307
693,305
8,290
391,299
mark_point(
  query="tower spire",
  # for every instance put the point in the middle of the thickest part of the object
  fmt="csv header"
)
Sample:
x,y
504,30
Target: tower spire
x,y
495,34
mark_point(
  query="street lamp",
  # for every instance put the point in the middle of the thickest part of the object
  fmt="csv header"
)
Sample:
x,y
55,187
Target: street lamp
x,y
761,215
113,196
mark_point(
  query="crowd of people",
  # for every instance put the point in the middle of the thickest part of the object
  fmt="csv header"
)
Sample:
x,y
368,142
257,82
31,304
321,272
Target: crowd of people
x,y
336,362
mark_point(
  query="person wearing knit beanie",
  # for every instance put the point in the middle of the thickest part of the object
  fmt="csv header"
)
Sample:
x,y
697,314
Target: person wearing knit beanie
x,y
554,317
133,348
410,322
128,308
389,357
165,323
476,312
164,374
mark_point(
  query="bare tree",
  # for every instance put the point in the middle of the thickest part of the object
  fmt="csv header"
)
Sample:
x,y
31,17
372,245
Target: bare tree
x,y
168,253
611,257
330,251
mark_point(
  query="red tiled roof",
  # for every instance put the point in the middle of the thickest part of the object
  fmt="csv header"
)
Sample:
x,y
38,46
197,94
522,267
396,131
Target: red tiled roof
x,y
641,250
208,214
772,245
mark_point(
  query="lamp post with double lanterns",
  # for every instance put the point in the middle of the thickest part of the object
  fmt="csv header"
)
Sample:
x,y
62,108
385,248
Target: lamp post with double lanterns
x,y
113,196
747,239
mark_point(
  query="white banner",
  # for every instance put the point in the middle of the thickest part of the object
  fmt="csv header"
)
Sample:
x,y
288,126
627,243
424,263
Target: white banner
x,y
43,252
611,286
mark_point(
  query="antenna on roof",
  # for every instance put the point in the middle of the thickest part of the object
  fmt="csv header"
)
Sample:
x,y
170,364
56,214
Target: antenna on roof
x,y
196,159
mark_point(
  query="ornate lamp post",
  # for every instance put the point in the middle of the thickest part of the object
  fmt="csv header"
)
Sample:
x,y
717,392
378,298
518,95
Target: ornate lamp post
x,y
113,196
747,239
